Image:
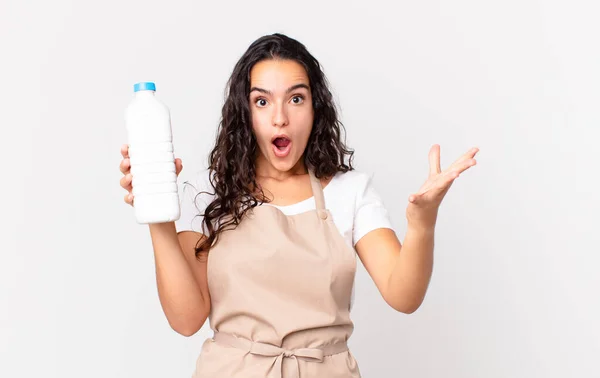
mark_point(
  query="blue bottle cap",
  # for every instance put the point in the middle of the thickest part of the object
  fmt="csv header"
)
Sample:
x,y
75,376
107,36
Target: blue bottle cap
x,y
144,86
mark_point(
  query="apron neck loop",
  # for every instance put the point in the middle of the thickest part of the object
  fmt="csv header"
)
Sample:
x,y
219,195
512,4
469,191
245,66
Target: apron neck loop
x,y
317,190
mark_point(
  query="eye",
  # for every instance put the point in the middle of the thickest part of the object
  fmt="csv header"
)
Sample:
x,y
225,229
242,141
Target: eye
x,y
299,98
260,102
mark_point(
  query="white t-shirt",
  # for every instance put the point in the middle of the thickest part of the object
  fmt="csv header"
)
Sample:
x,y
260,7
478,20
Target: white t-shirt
x,y
350,197
355,205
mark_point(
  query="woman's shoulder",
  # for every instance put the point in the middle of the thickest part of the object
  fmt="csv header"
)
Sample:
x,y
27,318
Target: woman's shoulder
x,y
351,180
348,186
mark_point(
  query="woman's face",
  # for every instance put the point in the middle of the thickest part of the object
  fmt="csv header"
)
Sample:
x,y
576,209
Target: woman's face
x,y
282,115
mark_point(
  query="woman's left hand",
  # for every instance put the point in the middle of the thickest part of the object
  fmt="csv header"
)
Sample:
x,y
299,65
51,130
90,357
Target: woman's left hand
x,y
423,206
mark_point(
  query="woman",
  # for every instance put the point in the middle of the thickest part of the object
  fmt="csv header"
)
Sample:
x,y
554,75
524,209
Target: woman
x,y
266,245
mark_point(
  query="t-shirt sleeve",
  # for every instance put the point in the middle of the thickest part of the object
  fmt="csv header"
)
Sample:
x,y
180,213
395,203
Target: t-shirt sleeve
x,y
370,212
195,195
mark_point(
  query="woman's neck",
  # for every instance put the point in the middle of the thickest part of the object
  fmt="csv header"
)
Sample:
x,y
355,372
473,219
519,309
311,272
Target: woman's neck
x,y
264,169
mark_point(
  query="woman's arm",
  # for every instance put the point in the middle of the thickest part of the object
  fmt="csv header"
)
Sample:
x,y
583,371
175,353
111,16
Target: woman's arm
x,y
180,277
402,272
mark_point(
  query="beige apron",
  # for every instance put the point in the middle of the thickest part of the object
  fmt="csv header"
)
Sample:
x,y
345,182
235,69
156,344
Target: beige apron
x,y
280,289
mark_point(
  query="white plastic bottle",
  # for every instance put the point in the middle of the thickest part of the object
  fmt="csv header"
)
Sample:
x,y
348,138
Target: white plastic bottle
x,y
152,160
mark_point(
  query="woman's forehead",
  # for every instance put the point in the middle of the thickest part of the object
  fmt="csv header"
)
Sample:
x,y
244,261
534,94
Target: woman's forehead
x,y
277,74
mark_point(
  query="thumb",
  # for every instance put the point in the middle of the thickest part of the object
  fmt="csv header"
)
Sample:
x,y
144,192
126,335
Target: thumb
x,y
415,198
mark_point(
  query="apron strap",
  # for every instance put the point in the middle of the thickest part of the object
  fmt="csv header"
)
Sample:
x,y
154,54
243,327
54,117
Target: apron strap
x,y
317,190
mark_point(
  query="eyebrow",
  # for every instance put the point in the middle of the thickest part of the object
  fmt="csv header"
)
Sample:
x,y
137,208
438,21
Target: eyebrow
x,y
293,87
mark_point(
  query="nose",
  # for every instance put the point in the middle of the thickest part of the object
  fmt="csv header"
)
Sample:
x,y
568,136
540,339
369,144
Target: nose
x,y
280,117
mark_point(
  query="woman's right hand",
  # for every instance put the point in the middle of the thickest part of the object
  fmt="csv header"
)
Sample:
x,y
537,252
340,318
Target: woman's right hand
x,y
125,169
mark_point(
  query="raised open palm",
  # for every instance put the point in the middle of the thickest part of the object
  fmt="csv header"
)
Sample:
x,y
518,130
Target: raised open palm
x,y
424,204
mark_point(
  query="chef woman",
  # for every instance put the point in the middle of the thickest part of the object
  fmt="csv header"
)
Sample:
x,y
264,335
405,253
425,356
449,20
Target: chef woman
x,y
266,245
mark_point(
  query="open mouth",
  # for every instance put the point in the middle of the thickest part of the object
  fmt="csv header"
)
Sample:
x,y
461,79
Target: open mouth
x,y
281,146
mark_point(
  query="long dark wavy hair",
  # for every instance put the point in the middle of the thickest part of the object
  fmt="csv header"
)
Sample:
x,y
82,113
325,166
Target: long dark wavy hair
x,y
231,162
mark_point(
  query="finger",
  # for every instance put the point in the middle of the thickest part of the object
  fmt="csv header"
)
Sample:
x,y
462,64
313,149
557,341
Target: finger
x,y
464,159
125,151
434,160
463,166
469,154
445,182
448,180
466,156
439,187
178,166
438,193
128,199
126,182
124,166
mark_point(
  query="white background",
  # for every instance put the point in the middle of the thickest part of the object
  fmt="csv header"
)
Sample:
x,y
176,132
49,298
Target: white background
x,y
515,286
